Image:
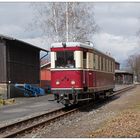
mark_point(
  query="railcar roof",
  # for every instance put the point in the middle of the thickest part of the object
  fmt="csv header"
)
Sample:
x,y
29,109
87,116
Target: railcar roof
x,y
74,44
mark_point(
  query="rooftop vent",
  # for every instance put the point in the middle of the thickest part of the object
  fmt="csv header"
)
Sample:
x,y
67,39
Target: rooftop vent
x,y
89,43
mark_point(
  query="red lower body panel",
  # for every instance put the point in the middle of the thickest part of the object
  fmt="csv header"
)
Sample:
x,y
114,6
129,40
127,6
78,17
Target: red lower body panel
x,y
65,79
82,78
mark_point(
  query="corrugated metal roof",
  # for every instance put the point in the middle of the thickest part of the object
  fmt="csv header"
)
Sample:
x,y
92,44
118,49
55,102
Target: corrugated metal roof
x,y
14,39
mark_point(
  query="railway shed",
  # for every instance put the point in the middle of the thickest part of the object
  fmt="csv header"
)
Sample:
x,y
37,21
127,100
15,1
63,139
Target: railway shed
x,y
123,77
45,75
19,63
117,65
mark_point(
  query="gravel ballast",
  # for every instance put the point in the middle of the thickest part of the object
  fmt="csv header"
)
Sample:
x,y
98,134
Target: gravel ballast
x,y
86,122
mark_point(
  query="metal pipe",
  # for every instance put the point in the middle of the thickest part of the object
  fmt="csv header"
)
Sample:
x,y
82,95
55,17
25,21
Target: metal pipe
x,y
44,56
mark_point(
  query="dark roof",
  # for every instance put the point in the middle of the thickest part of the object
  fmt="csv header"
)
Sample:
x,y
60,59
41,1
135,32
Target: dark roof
x,y
117,62
121,71
20,41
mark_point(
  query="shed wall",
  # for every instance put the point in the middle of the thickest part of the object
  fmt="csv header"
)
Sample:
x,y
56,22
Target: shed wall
x,y
2,63
23,64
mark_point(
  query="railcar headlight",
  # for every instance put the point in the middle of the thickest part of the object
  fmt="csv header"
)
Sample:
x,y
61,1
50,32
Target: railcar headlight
x,y
61,95
57,82
73,82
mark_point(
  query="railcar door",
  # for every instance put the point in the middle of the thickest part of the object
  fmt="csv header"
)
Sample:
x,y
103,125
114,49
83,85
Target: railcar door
x,y
65,62
85,81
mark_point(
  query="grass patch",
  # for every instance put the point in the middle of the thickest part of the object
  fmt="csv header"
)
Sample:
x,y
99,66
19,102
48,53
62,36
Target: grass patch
x,y
6,101
1,100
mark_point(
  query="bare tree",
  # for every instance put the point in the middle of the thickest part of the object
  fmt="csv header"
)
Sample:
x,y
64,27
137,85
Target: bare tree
x,y
134,65
65,21
47,19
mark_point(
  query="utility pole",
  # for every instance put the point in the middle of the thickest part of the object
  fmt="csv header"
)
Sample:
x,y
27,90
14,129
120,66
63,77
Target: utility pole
x,y
67,23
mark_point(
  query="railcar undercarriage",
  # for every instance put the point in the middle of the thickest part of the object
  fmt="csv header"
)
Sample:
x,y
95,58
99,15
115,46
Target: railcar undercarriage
x,y
68,98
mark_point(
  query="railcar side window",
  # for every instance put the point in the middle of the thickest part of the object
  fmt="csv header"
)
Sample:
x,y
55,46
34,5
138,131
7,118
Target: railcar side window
x,y
84,59
96,62
99,63
65,59
103,64
111,66
107,65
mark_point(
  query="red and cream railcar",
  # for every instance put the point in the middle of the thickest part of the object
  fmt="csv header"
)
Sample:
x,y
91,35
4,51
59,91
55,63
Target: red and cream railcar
x,y
80,72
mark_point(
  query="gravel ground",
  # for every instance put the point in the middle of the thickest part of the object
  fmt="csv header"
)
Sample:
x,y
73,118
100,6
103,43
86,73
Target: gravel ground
x,y
125,125
26,107
86,122
127,122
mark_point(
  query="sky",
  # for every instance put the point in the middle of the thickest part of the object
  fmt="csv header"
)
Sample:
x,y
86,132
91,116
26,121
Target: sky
x,y
118,22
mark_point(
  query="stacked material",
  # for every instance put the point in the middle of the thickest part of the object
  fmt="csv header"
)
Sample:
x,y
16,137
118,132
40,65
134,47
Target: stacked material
x,y
7,101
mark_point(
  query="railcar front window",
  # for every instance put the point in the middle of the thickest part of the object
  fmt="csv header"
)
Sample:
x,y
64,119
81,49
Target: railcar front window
x,y
65,59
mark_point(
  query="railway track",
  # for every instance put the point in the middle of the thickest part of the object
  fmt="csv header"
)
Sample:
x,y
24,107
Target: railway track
x,y
28,125
123,90
20,127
